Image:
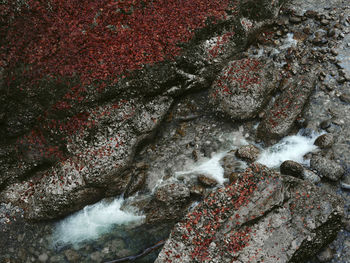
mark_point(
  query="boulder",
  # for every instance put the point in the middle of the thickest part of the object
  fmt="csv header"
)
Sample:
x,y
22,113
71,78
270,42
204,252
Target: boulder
x,y
243,88
207,181
327,168
292,168
248,153
169,203
325,141
99,155
262,217
284,111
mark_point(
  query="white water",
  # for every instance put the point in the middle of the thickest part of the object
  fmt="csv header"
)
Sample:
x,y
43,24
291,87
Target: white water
x,y
289,148
91,222
210,167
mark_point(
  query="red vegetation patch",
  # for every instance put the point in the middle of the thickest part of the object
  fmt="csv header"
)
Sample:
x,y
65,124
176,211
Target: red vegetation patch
x,y
240,75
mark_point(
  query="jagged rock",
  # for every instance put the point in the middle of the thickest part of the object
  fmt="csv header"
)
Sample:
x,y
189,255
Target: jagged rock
x,y
97,160
137,182
169,203
248,153
327,168
207,181
262,217
292,168
281,116
243,88
325,141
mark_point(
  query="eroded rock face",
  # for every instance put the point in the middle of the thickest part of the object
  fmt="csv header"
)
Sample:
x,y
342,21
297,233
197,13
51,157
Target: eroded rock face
x,y
98,158
282,114
262,217
243,88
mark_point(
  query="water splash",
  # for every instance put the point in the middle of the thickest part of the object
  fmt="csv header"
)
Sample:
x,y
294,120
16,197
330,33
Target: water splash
x,y
289,148
91,222
210,167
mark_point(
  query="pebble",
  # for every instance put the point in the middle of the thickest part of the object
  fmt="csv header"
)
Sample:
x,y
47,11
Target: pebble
x,y
334,52
324,22
295,19
345,98
325,124
43,257
326,255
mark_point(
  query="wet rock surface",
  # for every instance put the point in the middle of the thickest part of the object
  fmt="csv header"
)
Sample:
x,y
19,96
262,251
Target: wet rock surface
x,y
325,141
248,153
292,168
232,224
306,47
327,168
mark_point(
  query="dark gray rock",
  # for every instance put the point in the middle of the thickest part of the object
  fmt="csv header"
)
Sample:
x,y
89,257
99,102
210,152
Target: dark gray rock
x,y
243,88
325,141
280,117
260,218
169,203
99,156
327,168
248,153
292,168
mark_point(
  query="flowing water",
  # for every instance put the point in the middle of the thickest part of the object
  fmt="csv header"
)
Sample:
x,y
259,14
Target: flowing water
x,y
108,222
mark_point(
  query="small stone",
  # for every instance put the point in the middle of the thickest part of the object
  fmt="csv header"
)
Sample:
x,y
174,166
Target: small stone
x,y
334,52
206,181
326,255
327,168
324,22
331,33
96,257
292,168
295,20
248,153
325,141
43,257
345,98
71,255
346,223
311,14
325,124
195,155
341,80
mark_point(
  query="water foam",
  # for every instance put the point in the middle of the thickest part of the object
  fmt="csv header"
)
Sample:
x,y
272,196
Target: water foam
x,y
91,222
210,167
289,148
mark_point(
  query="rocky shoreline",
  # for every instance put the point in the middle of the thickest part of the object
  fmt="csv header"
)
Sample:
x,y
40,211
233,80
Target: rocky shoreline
x,y
285,70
